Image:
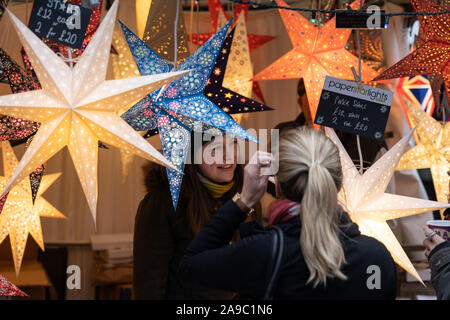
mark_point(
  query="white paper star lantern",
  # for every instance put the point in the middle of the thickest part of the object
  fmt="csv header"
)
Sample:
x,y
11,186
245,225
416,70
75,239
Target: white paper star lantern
x,y
19,215
363,197
78,107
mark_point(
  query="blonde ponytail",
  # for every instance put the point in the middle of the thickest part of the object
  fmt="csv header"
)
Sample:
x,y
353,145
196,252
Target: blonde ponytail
x,y
310,172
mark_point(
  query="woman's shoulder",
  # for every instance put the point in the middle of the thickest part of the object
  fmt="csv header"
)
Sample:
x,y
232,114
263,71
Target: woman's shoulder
x,y
366,247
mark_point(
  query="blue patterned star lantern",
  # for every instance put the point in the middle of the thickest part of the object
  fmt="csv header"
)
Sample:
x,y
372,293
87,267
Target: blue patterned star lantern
x,y
184,96
174,136
174,111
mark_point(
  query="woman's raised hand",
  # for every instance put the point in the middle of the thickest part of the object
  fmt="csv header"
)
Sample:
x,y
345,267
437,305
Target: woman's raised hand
x,y
255,184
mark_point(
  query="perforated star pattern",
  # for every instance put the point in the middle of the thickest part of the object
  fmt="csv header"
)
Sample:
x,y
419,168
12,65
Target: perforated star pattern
x,y
364,198
229,85
184,96
78,107
19,215
316,54
218,18
7,288
15,128
433,55
159,31
432,150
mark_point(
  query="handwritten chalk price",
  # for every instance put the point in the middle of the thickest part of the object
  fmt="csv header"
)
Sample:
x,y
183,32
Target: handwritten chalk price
x,y
62,22
361,110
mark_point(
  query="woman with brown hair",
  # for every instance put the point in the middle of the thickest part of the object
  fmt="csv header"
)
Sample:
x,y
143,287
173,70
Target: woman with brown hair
x,y
324,256
162,234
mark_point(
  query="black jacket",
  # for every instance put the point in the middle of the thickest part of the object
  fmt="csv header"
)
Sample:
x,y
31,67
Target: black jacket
x,y
243,266
160,239
439,259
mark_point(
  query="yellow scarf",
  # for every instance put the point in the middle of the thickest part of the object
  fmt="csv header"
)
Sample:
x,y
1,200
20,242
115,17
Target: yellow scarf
x,y
215,189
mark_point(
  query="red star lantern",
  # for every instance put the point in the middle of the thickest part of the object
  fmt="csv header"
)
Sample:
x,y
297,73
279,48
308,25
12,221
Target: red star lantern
x,y
433,55
7,288
316,54
215,9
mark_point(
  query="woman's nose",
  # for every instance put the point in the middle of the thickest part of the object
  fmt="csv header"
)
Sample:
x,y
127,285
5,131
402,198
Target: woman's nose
x,y
228,155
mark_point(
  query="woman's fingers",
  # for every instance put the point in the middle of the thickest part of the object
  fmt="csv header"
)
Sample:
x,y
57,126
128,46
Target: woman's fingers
x,y
432,236
428,244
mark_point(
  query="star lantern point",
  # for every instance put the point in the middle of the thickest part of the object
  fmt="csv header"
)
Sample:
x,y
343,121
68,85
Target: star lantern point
x,y
78,107
316,53
20,216
363,197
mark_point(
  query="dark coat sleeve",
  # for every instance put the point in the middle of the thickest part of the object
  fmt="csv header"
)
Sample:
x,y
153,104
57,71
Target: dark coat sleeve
x,y
440,270
153,247
239,267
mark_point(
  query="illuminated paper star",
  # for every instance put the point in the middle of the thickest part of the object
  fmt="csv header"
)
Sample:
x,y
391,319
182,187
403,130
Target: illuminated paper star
x,y
183,101
436,80
433,55
15,128
218,18
142,12
159,30
122,60
372,52
316,54
229,86
184,96
432,151
19,215
123,66
7,288
174,137
363,197
239,70
3,4
78,107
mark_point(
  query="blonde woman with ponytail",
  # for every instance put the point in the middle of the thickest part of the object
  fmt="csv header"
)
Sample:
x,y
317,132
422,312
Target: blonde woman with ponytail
x,y
324,257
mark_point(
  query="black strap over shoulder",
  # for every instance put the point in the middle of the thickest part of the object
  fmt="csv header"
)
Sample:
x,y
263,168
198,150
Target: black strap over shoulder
x,y
277,257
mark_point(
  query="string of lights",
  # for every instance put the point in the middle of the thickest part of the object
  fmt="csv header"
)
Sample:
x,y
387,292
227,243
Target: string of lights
x,y
314,11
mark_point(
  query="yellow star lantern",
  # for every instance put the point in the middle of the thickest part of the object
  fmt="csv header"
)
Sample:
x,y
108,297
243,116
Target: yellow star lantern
x,y
19,216
363,197
316,54
123,62
78,107
142,9
239,70
124,66
432,151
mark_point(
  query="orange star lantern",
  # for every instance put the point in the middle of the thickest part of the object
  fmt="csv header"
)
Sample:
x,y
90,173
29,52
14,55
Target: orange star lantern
x,y
433,55
316,54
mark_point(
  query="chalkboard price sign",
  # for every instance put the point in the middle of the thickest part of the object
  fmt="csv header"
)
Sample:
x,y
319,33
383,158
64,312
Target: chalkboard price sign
x,y
362,110
58,21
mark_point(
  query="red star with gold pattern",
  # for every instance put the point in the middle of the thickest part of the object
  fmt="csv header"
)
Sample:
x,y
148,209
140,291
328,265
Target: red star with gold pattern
x,y
433,55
